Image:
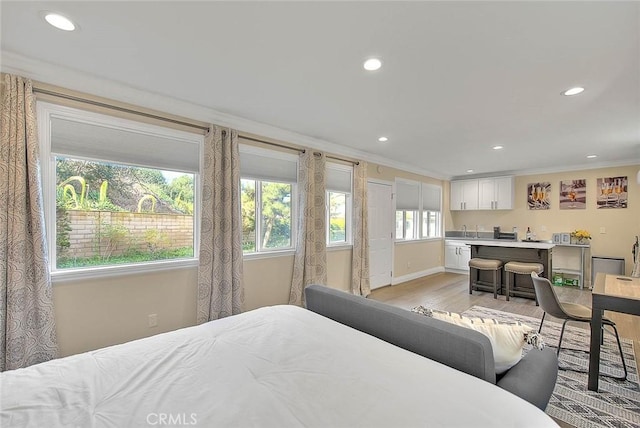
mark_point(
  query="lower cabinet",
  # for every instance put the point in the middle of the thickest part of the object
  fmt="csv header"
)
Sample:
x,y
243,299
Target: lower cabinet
x,y
457,256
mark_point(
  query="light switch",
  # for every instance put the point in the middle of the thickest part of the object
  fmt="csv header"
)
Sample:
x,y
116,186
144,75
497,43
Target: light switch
x,y
603,230
153,320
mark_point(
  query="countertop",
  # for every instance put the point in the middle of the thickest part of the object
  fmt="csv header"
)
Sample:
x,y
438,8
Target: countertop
x,y
509,244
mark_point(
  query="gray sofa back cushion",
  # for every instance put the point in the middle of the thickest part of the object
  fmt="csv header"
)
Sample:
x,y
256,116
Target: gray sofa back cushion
x,y
458,347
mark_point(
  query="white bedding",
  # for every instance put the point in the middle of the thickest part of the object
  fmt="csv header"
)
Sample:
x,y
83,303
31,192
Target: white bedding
x,y
281,366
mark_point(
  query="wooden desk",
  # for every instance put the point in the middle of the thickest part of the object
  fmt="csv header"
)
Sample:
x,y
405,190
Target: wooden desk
x,y
610,293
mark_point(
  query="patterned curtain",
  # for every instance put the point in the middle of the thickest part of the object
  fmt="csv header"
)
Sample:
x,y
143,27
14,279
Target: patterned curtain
x,y
310,261
360,254
220,287
27,323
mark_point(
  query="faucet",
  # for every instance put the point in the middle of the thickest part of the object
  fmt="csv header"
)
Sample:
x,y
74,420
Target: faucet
x,y
464,230
476,231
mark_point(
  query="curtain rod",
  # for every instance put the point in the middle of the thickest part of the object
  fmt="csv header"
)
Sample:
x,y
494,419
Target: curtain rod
x,y
343,160
165,119
282,146
121,109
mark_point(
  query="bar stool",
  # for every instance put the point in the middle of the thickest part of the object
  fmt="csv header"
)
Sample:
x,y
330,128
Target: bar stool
x,y
521,268
478,264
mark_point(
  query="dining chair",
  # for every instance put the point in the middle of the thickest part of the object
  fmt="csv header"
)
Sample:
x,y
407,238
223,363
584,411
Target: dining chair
x,y
549,303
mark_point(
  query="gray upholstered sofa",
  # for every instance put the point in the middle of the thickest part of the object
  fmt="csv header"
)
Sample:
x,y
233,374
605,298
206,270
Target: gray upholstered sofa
x,y
532,379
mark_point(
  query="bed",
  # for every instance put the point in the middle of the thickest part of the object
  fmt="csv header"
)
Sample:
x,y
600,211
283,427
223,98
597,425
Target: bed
x,y
277,366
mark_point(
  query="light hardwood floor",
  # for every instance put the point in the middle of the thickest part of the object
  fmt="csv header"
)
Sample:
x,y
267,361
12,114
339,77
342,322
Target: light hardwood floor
x,y
450,292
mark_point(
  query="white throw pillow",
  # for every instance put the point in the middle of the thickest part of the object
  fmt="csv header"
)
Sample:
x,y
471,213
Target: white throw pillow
x,y
507,339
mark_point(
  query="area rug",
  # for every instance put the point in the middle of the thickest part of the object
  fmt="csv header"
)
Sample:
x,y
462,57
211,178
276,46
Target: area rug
x,y
617,404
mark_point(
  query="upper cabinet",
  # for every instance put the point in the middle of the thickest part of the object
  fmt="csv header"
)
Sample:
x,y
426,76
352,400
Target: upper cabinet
x,y
464,195
494,193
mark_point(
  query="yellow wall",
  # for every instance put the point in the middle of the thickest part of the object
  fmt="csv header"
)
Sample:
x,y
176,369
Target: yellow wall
x,y
99,312
93,313
413,258
620,225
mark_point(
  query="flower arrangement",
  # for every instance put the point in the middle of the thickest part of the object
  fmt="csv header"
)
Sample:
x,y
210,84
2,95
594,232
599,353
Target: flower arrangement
x,y
580,235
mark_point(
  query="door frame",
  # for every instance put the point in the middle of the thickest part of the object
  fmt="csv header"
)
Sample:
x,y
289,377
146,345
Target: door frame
x,y
392,184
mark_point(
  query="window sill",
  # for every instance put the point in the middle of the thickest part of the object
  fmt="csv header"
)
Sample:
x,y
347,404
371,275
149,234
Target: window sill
x,y
118,270
342,247
268,255
416,241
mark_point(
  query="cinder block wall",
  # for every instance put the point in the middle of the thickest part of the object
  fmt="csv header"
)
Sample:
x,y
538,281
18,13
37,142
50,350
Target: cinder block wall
x,y
102,232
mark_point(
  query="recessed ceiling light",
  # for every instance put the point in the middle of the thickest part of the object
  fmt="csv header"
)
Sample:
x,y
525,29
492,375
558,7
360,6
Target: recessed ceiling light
x,y
592,156
573,91
498,147
469,170
383,139
372,64
59,21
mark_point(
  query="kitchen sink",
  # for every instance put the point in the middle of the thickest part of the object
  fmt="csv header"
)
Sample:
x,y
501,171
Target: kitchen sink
x,y
471,235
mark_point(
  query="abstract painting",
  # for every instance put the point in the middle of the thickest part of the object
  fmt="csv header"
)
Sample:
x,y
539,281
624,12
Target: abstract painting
x,y
612,192
573,194
538,196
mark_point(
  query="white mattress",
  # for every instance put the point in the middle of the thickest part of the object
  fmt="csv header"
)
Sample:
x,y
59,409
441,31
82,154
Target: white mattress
x,y
281,366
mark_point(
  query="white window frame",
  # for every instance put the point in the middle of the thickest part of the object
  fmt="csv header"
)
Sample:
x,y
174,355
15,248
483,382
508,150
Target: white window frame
x,y
423,211
45,112
348,207
260,252
418,213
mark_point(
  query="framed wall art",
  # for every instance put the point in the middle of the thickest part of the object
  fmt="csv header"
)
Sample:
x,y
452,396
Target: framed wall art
x,y
612,192
538,196
573,195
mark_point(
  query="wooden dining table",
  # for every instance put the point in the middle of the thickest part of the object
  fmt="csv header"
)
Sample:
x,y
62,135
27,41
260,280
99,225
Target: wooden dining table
x,y
610,293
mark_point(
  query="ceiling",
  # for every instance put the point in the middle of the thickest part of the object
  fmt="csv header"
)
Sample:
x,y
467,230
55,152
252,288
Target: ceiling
x,y
457,77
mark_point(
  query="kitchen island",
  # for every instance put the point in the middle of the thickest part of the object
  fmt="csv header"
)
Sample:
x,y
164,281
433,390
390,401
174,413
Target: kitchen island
x,y
514,251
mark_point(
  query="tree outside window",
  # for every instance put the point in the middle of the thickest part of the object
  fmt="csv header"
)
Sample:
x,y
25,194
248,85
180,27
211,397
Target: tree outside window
x,y
337,217
271,202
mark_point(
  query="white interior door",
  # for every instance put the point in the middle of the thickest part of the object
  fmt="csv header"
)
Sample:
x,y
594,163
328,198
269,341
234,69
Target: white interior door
x,y
380,204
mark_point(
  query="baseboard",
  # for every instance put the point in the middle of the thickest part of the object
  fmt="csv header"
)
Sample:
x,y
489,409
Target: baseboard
x,y
416,275
461,271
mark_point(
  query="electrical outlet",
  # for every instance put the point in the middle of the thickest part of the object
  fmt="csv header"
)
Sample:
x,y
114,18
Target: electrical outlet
x,y
153,320
603,230
408,265
543,228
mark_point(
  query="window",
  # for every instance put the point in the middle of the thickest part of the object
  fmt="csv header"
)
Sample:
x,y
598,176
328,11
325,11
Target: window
x,y
431,211
338,204
418,210
118,193
271,203
268,187
407,209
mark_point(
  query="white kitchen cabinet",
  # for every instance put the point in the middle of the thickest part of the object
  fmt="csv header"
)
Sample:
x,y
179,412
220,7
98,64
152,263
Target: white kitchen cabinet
x,y
495,193
464,195
457,256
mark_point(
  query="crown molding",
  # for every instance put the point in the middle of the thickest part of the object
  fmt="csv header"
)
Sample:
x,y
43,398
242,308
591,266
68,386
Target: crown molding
x,y
552,170
83,82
